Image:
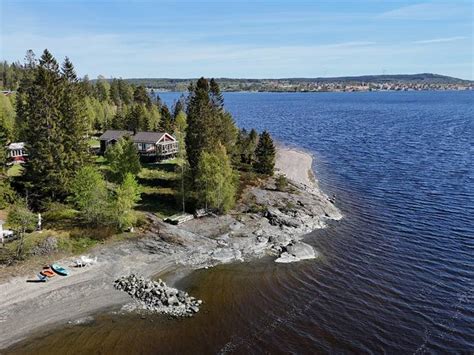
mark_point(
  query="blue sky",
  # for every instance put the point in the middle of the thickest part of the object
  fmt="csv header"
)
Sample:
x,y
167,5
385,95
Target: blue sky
x,y
252,39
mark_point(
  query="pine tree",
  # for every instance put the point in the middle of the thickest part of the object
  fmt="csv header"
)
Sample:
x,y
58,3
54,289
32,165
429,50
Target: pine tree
x,y
265,155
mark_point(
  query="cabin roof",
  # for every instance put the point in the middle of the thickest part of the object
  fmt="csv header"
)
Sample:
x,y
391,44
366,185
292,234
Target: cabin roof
x,y
17,145
111,134
148,137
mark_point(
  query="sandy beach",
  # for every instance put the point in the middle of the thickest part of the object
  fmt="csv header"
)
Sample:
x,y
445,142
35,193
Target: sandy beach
x,y
26,308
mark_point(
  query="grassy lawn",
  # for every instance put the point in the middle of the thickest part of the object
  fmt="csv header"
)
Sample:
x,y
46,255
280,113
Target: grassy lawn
x,y
159,183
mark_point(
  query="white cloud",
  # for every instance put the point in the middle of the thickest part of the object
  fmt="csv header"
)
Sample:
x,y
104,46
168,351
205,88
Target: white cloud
x,y
428,11
440,40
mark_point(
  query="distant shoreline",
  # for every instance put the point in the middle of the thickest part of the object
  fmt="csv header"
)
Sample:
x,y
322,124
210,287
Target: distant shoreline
x,y
158,91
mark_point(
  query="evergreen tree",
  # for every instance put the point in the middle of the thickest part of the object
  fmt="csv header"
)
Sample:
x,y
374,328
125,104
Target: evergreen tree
x,y
141,96
42,114
55,127
166,122
102,89
73,124
123,159
136,118
22,105
179,107
265,155
118,121
216,96
227,131
3,150
115,92
201,134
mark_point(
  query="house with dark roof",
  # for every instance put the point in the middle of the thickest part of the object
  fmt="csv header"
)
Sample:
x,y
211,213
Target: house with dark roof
x,y
111,137
155,145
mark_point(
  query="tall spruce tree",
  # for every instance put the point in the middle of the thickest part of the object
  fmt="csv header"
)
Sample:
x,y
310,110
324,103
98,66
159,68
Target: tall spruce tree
x,y
42,113
216,96
166,122
265,154
73,124
201,134
55,128
179,107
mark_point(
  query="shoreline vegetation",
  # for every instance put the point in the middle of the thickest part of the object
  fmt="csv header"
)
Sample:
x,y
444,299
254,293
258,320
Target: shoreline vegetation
x,y
242,197
265,222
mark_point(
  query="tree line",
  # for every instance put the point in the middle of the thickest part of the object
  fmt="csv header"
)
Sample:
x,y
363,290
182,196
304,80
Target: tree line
x,y
54,112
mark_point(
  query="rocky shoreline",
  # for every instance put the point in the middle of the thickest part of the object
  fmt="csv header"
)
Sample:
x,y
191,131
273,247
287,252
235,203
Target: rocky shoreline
x,y
265,222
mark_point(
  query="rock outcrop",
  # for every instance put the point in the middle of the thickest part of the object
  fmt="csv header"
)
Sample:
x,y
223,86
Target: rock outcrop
x,y
156,296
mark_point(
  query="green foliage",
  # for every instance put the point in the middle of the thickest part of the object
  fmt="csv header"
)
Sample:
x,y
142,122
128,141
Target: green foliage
x,y
208,123
89,194
167,123
7,194
56,212
123,158
3,150
7,118
201,134
281,182
244,152
126,197
21,219
141,96
216,181
265,155
55,131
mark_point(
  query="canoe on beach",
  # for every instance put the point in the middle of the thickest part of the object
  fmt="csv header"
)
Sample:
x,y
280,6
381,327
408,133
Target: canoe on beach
x,y
59,270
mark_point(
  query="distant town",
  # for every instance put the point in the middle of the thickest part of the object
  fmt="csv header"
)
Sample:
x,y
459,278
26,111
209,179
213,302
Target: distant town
x,y
410,82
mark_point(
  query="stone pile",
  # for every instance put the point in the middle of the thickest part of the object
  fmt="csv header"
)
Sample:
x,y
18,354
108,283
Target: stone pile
x,y
156,296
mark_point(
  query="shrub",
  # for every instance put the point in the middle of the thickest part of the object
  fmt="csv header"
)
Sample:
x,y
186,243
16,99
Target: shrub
x,y
281,183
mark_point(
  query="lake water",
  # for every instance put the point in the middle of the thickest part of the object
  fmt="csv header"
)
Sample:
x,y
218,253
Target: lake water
x,y
396,274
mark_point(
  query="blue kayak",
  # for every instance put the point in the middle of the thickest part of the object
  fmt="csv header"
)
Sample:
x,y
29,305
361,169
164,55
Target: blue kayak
x,y
58,269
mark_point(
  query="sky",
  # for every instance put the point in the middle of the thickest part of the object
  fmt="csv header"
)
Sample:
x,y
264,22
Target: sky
x,y
244,39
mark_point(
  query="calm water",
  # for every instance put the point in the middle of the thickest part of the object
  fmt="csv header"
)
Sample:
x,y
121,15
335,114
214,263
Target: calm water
x,y
397,273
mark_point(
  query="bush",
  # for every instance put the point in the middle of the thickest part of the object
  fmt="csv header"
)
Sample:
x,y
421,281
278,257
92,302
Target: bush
x,y
281,183
57,212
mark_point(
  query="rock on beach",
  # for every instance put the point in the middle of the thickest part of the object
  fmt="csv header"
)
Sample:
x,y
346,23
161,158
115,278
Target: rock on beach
x,y
156,296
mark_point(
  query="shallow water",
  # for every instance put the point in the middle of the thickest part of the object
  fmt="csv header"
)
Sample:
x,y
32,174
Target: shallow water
x,y
396,274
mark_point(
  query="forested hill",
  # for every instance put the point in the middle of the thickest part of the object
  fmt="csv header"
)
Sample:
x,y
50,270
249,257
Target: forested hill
x,y
422,81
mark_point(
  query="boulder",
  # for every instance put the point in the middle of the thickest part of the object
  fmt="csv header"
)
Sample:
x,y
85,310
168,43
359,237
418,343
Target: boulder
x,y
301,251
